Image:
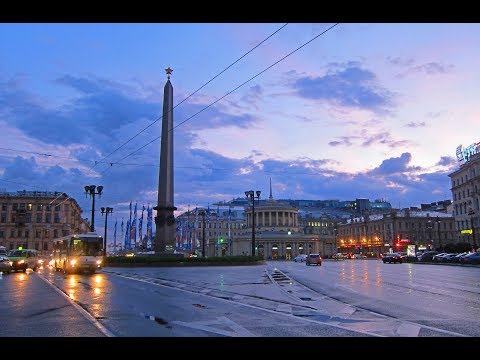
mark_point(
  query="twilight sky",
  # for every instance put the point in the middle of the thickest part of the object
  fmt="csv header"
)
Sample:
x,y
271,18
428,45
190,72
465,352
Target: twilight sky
x,y
363,110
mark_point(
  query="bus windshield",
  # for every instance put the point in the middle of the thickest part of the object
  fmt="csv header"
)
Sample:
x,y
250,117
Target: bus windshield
x,y
87,247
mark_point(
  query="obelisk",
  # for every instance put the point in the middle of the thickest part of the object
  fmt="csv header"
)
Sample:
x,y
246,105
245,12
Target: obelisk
x,y
165,219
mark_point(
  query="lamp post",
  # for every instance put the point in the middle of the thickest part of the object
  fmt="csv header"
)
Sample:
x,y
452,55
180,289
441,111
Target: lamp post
x,y
105,211
202,214
471,213
251,195
429,227
90,190
438,221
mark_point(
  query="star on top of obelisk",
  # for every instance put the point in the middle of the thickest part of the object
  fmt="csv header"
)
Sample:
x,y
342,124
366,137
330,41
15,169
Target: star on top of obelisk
x,y
169,72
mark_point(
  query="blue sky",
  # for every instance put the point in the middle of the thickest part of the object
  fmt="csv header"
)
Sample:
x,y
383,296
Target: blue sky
x,y
364,110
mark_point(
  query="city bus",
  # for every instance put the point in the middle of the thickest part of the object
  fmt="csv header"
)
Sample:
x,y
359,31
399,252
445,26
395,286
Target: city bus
x,y
78,253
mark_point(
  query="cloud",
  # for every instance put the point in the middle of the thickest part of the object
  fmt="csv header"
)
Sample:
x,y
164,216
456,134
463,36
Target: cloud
x,y
346,85
370,139
401,61
431,68
447,161
394,165
344,140
415,124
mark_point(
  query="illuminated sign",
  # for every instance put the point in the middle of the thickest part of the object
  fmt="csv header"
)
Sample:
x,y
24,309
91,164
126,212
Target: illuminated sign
x,y
404,240
410,250
467,231
464,154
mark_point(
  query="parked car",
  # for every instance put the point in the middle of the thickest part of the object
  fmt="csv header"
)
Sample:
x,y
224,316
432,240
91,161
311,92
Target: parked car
x,y
313,259
300,258
5,265
458,258
338,256
427,256
392,258
472,258
359,256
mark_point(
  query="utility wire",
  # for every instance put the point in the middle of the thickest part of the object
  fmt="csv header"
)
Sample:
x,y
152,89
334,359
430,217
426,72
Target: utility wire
x,y
157,165
228,93
193,93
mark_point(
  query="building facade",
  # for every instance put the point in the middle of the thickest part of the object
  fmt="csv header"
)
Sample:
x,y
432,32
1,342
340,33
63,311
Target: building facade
x,y
466,193
378,233
31,219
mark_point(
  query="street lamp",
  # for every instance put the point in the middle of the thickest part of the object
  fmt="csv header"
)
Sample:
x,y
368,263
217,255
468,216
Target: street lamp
x,y
471,213
90,190
105,211
429,227
202,214
251,195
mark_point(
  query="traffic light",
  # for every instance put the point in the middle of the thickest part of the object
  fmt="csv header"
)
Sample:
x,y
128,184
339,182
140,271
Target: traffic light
x,y
221,239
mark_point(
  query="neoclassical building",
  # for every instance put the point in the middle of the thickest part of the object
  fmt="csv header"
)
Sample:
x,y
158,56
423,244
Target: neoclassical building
x,y
31,219
227,230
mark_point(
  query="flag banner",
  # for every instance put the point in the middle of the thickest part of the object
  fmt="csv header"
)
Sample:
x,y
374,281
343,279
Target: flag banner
x,y
133,228
127,236
149,225
140,225
178,234
197,241
115,236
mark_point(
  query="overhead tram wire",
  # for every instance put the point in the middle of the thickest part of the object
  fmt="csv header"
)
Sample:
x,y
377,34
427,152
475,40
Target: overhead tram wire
x,y
193,93
156,165
224,96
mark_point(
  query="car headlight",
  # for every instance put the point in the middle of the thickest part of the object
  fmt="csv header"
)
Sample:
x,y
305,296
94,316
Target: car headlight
x,y
11,263
21,262
73,262
99,262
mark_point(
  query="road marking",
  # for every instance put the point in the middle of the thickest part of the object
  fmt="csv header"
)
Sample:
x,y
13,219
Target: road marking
x,y
221,321
406,329
82,311
284,308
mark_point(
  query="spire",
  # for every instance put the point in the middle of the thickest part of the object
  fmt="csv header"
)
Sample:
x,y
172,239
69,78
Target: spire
x,y
271,197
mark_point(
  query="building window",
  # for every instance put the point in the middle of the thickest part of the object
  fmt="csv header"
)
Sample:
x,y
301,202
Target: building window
x,y
57,207
38,234
4,207
28,218
22,206
64,232
39,218
39,207
27,233
55,233
12,233
29,207
48,218
14,218
56,220
2,235
49,207
3,218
